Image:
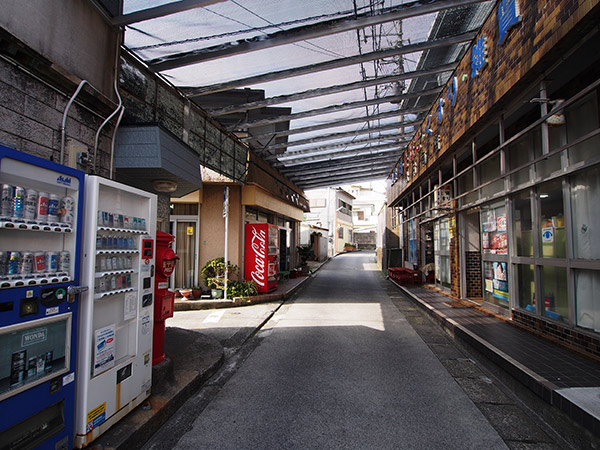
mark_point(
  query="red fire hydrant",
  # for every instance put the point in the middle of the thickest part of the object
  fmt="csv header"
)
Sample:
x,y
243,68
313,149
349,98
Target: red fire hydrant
x,y
166,259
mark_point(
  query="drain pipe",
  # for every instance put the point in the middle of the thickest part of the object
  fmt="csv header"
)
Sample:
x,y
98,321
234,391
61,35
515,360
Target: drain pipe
x,y
63,132
112,145
119,107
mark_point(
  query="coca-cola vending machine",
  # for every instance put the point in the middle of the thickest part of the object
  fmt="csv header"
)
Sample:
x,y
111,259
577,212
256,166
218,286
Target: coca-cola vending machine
x,y
262,255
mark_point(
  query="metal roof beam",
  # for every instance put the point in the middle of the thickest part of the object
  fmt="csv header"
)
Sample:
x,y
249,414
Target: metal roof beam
x,y
340,107
332,173
351,163
329,156
329,65
331,181
329,137
325,28
160,11
393,140
339,123
311,93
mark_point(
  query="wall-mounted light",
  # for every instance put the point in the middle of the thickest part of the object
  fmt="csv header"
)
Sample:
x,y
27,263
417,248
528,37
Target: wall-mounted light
x,y
555,120
164,186
544,196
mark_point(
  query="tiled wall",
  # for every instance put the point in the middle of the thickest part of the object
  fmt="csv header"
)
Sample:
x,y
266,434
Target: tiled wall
x,y
473,274
571,338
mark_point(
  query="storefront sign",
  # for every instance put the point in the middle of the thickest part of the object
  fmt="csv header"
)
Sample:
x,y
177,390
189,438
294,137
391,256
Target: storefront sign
x,y
548,234
479,56
508,16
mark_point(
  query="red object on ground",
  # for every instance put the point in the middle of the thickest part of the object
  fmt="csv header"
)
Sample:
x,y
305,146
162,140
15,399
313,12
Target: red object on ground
x,y
404,276
166,259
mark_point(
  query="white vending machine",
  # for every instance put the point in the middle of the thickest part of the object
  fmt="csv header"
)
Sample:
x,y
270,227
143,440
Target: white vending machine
x,y
116,315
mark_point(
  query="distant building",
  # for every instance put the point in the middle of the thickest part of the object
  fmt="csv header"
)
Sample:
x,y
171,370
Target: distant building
x,y
331,208
369,198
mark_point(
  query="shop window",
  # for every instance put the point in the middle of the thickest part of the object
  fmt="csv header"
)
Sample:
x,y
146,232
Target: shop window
x,y
465,184
552,222
585,212
494,238
441,238
495,290
340,233
587,286
185,209
360,215
555,293
582,118
520,152
525,286
552,163
412,241
487,171
522,225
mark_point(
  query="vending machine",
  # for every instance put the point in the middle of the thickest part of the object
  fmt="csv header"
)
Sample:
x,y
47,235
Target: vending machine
x,y
40,239
115,336
261,259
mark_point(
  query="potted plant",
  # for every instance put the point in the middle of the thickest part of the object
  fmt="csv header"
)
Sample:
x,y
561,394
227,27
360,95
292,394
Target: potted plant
x,y
213,273
349,247
185,293
304,253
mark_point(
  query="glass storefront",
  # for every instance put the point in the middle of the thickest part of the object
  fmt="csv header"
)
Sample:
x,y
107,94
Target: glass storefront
x,y
441,247
494,244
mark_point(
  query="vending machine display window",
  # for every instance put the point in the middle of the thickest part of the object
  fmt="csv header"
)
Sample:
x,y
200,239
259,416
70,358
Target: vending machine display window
x,y
33,352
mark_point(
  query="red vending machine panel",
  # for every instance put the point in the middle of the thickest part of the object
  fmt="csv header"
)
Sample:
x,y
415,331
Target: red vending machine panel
x,y
262,256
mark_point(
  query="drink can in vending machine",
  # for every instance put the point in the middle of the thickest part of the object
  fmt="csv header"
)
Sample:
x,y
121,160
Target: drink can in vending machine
x,y
52,261
64,261
67,204
26,263
30,206
14,263
6,207
39,262
18,202
42,207
17,367
53,206
3,263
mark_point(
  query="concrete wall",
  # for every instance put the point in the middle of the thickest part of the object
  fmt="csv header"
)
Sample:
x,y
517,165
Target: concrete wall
x,y
70,33
212,225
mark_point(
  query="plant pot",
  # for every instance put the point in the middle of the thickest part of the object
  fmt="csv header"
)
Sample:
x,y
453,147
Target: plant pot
x,y
216,293
185,293
196,293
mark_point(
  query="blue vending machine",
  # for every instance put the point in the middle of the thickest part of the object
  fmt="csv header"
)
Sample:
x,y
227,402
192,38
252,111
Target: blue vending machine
x,y
40,239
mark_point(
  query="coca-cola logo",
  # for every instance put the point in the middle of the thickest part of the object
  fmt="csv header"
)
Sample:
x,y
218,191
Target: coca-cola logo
x,y
258,244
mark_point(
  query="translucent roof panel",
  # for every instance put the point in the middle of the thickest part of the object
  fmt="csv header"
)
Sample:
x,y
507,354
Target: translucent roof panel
x,y
339,66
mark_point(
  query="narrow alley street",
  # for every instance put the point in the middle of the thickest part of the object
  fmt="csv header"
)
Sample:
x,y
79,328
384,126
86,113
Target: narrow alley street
x,y
347,363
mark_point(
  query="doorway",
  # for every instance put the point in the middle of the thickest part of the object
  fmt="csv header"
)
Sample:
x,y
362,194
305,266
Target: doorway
x,y
185,230
441,244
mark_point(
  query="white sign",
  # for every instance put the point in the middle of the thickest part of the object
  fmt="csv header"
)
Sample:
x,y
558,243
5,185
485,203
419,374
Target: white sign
x,y
548,234
104,349
130,305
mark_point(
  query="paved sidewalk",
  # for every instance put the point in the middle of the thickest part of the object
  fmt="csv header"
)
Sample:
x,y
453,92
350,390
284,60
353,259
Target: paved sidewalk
x,y
561,377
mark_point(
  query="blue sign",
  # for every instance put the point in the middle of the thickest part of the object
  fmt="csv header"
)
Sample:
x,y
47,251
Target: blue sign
x,y
427,129
452,89
478,56
508,16
440,110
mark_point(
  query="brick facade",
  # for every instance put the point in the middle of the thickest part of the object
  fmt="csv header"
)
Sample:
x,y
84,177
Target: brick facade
x,y
473,274
547,29
570,338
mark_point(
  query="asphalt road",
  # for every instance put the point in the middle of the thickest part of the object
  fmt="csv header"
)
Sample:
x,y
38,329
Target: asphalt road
x,y
340,367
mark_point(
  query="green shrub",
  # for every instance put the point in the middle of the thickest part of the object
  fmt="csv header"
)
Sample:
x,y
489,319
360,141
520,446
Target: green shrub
x,y
241,289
